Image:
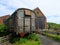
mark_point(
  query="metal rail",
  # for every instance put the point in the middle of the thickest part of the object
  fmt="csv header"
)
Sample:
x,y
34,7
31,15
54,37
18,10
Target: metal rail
x,y
4,40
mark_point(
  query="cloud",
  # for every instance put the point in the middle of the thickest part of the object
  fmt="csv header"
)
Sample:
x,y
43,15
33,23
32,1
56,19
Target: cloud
x,y
4,10
8,6
50,8
13,3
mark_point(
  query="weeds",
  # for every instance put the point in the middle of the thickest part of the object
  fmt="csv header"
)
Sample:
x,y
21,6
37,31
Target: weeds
x,y
31,39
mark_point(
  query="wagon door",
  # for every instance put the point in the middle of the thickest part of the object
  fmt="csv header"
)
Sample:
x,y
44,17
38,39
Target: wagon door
x,y
27,24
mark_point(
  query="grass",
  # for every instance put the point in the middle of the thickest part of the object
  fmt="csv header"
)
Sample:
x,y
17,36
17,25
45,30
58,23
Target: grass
x,y
28,42
55,37
52,36
0,39
31,39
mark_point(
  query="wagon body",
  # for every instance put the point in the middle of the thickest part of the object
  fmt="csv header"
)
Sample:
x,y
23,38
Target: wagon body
x,y
22,20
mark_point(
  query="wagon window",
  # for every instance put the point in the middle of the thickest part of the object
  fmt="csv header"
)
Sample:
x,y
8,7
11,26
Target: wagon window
x,y
20,13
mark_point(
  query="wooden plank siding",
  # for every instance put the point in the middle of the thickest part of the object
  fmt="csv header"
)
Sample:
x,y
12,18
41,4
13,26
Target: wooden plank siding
x,y
40,15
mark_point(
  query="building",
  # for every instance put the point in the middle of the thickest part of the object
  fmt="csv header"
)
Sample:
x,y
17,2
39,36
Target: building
x,y
40,19
3,18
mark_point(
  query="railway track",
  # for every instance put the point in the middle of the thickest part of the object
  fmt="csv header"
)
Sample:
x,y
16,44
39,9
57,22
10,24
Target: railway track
x,y
5,40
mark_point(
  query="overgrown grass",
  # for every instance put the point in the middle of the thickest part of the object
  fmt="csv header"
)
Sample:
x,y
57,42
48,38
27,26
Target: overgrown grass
x,y
0,39
31,39
52,36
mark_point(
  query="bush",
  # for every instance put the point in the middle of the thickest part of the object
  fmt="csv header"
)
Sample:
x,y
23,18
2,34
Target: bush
x,y
3,29
33,36
43,33
22,40
31,39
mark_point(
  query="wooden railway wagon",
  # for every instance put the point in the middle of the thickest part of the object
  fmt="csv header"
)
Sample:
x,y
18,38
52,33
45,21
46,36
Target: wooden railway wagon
x,y
21,22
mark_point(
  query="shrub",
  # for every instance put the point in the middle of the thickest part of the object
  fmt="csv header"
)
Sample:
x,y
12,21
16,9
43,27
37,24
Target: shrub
x,y
3,30
22,40
31,39
33,36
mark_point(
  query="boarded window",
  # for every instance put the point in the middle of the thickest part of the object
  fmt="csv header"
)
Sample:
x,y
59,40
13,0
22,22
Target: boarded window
x,y
27,12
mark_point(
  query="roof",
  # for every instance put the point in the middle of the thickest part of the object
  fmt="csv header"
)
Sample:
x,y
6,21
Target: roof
x,y
3,18
39,12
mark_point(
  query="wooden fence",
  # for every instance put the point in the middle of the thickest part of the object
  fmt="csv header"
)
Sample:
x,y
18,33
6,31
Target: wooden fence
x,y
50,31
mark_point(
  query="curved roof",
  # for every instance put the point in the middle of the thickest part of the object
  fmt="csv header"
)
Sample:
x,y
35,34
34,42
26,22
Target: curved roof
x,y
24,9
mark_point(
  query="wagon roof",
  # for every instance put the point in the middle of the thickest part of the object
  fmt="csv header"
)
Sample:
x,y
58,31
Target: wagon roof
x,y
25,9
21,9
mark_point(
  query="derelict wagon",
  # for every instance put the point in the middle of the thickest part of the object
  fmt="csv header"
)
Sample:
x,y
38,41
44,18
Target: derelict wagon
x,y
21,21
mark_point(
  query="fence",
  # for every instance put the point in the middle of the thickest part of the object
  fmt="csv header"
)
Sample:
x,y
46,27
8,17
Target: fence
x,y
49,31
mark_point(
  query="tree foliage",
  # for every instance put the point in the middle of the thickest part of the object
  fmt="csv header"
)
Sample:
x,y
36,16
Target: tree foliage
x,y
3,29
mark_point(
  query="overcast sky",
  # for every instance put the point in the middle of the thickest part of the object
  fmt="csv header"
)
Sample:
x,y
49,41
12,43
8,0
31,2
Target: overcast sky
x,y
50,8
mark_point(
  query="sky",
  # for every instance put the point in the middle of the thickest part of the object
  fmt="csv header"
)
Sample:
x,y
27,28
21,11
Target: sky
x,y
50,8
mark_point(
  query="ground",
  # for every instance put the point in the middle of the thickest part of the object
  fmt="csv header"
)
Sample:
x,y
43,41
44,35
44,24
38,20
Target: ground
x,y
47,41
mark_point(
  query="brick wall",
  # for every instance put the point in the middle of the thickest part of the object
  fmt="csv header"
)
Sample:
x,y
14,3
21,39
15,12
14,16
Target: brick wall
x,y
40,14
3,18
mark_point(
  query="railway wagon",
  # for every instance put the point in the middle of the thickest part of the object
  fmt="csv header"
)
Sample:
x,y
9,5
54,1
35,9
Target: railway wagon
x,y
21,22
